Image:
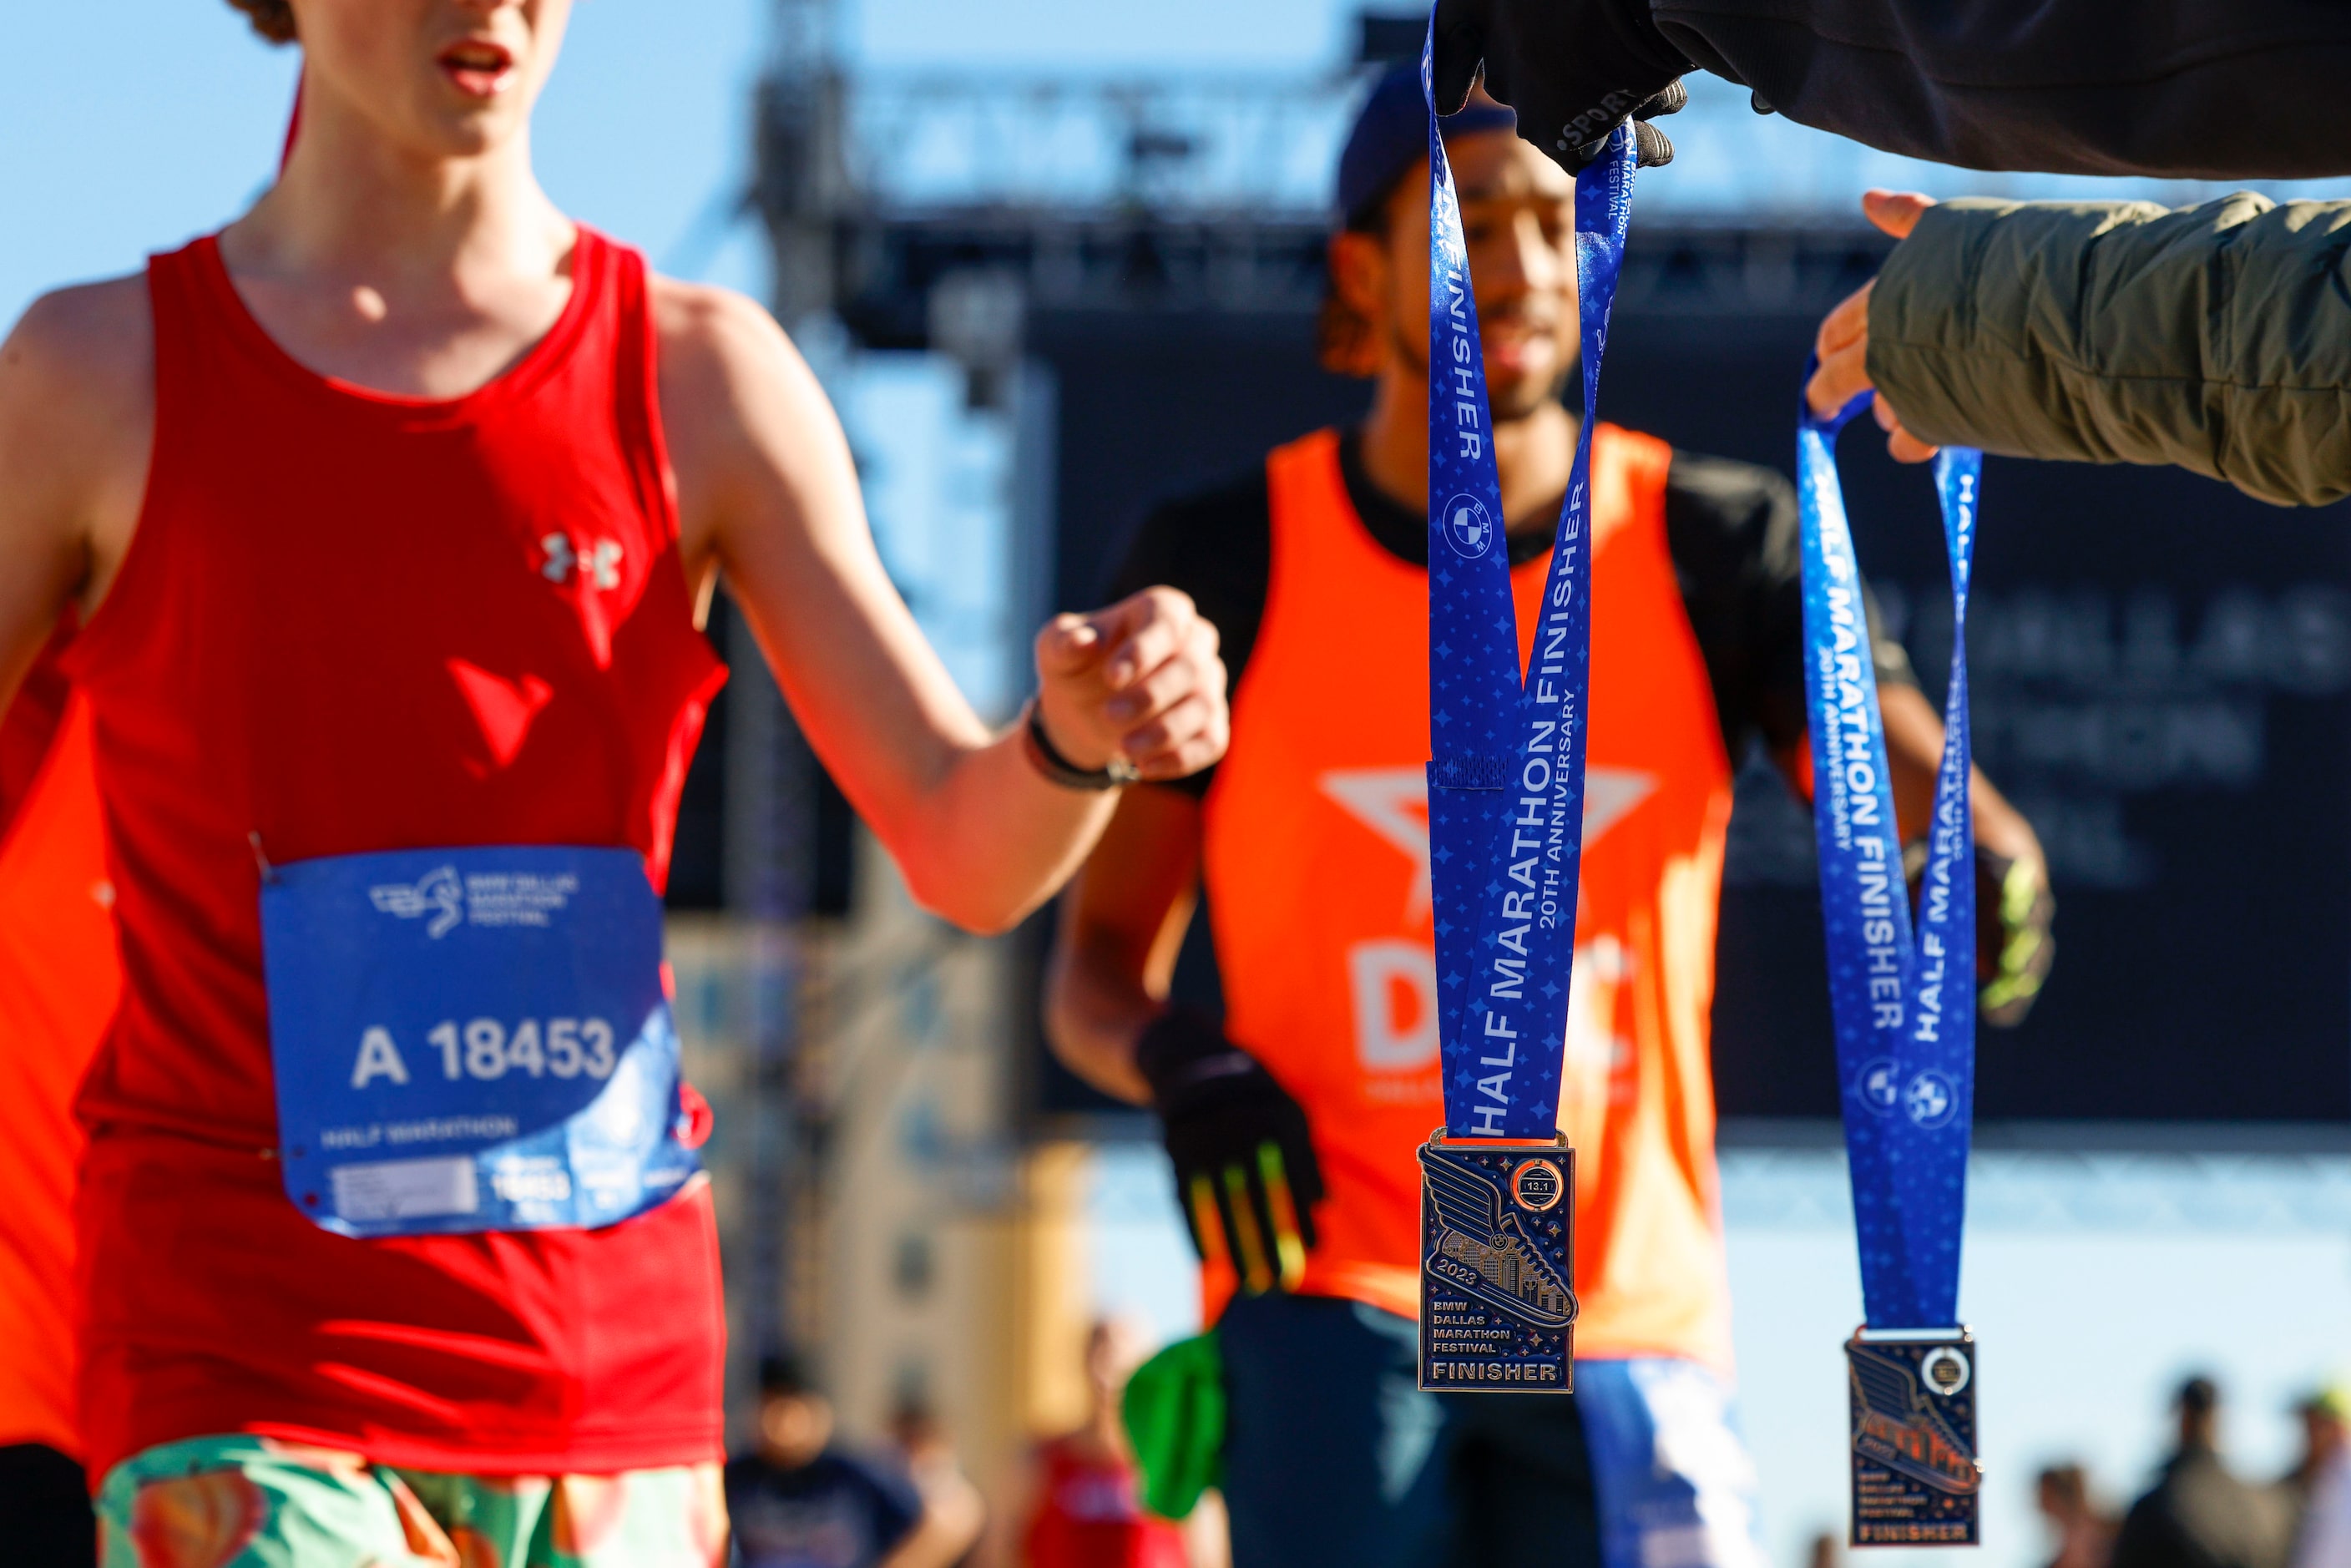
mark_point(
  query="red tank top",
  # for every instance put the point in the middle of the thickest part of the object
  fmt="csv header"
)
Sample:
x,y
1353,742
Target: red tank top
x,y
350,622
1087,1517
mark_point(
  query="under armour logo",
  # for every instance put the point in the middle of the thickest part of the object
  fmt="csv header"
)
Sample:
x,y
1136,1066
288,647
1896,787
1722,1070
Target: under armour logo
x,y
438,891
597,561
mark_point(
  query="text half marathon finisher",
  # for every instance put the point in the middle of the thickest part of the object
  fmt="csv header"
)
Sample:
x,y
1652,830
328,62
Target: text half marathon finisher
x,y
1904,1005
1506,828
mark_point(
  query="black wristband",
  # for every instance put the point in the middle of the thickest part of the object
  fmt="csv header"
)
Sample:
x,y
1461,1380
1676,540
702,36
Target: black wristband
x,y
1047,758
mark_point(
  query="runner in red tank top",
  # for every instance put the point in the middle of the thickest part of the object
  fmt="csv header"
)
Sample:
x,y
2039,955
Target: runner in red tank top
x,y
388,514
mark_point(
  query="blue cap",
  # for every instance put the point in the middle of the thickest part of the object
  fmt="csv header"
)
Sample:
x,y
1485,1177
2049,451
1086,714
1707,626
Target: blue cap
x,y
1391,135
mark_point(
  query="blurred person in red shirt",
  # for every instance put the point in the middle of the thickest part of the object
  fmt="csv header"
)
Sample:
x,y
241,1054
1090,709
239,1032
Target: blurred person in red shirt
x,y
1087,1513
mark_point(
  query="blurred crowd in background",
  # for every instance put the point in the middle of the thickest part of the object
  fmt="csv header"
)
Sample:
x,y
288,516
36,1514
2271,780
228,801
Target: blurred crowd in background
x,y
2201,1509
802,1499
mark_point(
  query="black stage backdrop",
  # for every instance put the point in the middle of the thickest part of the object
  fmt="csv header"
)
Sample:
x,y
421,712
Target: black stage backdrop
x,y
2162,675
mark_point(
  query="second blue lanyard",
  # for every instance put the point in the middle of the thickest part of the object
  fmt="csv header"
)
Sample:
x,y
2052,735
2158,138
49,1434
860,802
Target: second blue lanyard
x,y
1904,1003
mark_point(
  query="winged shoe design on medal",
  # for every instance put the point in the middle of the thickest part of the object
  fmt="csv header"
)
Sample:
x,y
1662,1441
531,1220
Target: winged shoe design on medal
x,y
1482,1250
1898,1425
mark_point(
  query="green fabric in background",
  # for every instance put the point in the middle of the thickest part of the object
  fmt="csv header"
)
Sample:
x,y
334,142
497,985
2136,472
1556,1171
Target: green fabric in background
x,y
1175,1416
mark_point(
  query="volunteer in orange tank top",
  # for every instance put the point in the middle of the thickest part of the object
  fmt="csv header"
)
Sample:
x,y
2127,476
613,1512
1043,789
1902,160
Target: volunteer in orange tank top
x,y
1292,1121
388,514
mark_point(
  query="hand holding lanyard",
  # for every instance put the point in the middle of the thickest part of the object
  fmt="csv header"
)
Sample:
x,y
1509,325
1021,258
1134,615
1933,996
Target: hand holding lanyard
x,y
1904,1015
1506,831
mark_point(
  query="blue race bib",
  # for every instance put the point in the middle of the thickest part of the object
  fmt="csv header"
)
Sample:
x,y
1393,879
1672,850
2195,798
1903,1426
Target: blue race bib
x,y
471,1039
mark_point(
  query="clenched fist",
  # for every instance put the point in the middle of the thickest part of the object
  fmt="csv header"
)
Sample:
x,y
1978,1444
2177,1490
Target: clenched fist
x,y
1140,683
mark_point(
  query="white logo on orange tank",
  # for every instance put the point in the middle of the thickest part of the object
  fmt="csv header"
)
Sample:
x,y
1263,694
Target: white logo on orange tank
x,y
1601,1065
597,560
1392,981
1382,974
1393,803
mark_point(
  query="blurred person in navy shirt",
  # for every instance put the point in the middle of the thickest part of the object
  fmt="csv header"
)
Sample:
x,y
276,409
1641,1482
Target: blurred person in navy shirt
x,y
797,1501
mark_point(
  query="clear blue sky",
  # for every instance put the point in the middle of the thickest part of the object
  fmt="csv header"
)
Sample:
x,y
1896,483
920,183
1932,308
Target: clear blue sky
x,y
133,124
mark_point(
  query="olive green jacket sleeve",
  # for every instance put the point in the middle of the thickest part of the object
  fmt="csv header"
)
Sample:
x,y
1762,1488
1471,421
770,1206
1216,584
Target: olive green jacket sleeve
x,y
2217,337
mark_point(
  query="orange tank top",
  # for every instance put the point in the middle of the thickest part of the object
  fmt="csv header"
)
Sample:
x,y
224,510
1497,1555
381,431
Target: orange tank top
x,y
1316,856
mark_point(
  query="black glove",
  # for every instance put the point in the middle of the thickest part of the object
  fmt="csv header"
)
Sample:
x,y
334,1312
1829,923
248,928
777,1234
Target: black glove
x,y
1245,1167
1575,69
2014,948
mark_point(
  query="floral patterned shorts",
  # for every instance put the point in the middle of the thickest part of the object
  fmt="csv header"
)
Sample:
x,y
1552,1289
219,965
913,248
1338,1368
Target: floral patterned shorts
x,y
253,1502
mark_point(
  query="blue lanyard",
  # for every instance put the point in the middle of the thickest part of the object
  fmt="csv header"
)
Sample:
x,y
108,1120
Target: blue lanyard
x,y
1905,1010
1506,778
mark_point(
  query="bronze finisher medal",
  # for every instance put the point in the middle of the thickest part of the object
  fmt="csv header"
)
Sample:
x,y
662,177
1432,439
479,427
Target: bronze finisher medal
x,y
1496,1271
1915,1482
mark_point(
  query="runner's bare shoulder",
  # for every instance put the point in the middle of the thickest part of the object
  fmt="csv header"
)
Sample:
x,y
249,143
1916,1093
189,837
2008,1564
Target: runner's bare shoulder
x,y
745,417
78,418
723,349
84,350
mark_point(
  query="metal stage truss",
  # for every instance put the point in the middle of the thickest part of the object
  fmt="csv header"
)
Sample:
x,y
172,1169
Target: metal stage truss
x,y
1155,244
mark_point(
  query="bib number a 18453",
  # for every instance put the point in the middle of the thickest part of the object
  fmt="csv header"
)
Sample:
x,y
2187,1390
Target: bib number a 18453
x,y
472,1039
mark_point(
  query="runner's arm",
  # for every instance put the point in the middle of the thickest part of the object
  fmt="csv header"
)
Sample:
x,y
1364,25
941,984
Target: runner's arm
x,y
1914,758
1122,921
76,415
1734,532
1245,1164
769,494
1914,755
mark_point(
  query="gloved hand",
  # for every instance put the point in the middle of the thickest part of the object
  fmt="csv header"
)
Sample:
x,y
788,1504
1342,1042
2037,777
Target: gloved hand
x,y
2014,909
2014,948
1572,68
1244,1164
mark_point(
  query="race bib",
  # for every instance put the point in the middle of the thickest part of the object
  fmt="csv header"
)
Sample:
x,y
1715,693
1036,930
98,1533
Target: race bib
x,y
471,1039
